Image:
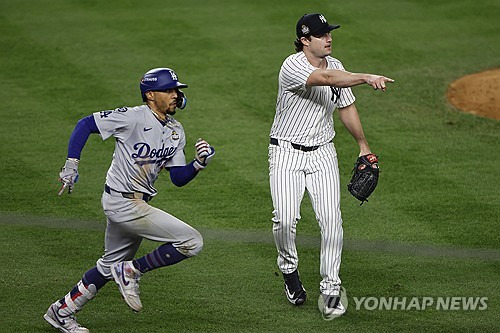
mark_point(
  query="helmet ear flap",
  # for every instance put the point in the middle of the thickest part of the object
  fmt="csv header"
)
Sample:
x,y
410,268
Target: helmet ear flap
x,y
181,99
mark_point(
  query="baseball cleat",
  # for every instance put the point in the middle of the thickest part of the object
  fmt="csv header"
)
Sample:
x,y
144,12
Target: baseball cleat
x,y
333,305
127,278
294,291
66,324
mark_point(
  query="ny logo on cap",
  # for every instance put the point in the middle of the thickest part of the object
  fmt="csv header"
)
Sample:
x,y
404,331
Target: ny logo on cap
x,y
322,18
173,75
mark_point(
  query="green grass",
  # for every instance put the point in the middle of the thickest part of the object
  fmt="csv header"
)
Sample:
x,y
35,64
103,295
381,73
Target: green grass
x,y
62,60
235,287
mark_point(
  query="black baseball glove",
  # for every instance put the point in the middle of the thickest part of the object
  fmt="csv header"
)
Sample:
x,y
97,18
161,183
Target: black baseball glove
x,y
365,177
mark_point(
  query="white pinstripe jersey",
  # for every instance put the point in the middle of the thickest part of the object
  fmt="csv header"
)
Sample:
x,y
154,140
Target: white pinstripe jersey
x,y
144,146
304,115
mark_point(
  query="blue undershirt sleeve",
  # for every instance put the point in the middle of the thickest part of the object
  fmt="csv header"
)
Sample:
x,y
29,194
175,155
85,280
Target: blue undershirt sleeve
x,y
181,175
80,135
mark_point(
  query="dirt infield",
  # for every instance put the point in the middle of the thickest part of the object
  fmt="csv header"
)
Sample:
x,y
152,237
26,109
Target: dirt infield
x,y
478,93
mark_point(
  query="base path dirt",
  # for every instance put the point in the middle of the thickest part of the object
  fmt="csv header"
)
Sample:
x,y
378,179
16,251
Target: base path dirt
x,y
478,93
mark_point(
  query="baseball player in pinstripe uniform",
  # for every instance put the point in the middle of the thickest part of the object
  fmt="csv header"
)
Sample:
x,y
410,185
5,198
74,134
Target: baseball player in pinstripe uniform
x,y
312,84
148,140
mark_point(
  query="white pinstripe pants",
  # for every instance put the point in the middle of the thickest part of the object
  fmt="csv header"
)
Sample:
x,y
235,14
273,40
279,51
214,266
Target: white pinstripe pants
x,y
291,172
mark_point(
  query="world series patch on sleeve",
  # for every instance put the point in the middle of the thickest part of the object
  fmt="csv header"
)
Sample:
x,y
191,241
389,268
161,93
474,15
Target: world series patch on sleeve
x,y
365,177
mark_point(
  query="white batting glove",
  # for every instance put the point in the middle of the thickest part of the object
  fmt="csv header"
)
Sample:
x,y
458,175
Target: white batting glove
x,y
204,153
68,175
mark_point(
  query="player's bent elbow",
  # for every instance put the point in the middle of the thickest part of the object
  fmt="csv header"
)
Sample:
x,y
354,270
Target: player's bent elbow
x,y
178,184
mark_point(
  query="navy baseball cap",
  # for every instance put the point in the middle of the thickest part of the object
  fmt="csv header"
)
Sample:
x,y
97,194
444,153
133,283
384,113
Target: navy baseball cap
x,y
314,24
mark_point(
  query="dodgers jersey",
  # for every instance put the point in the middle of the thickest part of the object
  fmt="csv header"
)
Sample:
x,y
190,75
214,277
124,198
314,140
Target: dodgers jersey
x,y
304,115
144,146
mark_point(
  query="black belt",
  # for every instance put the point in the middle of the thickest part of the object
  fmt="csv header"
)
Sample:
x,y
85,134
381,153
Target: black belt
x,y
130,195
274,141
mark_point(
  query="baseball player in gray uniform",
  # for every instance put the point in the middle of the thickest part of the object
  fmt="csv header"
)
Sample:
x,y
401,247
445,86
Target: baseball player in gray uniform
x,y
148,140
312,84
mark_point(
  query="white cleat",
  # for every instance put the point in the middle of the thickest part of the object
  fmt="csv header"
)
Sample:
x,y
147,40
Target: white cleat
x,y
66,324
333,306
127,278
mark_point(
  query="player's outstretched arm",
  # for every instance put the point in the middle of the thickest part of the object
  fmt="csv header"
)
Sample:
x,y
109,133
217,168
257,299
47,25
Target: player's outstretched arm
x,y
344,79
69,172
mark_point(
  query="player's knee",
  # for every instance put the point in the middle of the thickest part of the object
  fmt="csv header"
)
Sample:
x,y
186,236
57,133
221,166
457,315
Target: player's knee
x,y
333,218
198,244
285,222
192,246
287,218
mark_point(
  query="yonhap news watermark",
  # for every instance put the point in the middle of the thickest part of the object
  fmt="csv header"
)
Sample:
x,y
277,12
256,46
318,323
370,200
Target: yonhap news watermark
x,y
402,303
440,303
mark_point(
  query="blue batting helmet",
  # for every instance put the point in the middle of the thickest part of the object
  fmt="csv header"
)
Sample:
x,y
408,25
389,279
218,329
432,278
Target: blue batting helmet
x,y
159,79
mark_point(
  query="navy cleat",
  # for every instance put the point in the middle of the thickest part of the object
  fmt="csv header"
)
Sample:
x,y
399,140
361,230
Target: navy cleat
x,y
294,291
